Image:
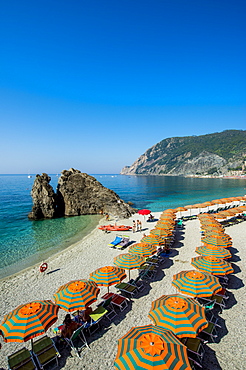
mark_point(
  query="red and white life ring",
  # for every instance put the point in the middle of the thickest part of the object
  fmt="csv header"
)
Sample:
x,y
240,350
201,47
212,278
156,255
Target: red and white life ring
x,y
43,267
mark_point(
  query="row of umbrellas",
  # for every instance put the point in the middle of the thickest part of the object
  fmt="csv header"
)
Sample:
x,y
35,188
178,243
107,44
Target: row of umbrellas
x,y
145,347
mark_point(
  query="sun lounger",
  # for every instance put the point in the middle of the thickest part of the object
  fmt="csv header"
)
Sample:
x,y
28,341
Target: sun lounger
x,y
118,300
126,288
124,243
77,338
116,241
21,360
96,316
45,351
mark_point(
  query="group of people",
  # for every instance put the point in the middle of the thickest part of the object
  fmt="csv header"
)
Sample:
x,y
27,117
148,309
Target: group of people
x,y
137,226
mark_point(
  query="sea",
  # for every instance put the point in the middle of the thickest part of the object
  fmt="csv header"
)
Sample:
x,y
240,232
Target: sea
x,y
24,243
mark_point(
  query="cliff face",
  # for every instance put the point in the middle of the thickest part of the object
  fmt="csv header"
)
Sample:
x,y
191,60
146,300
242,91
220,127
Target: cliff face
x,y
77,194
217,153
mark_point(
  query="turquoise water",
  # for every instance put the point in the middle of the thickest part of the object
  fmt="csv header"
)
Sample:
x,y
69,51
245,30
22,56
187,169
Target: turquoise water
x,y
24,242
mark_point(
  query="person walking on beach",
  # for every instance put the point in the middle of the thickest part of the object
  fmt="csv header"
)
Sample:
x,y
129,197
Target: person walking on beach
x,y
137,226
134,226
140,225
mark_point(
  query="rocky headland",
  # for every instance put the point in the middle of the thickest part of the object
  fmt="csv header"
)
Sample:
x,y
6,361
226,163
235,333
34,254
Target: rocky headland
x,y
218,154
77,194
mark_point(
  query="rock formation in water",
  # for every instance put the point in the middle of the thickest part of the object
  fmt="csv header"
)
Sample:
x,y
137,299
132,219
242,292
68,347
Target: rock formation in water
x,y
44,199
221,153
77,194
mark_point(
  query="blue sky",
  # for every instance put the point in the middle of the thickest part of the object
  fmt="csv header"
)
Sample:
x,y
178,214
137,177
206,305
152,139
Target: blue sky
x,y
94,84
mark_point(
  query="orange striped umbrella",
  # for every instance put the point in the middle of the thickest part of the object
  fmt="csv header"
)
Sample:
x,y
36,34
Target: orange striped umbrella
x,y
220,235
128,261
151,348
162,233
142,249
76,295
151,239
28,321
196,284
216,241
213,251
184,316
212,265
108,275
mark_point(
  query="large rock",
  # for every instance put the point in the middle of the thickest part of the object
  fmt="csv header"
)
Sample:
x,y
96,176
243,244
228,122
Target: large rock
x,y
77,194
81,194
44,199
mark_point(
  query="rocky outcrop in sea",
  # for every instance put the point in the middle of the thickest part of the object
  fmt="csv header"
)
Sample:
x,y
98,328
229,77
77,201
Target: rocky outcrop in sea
x,y
77,194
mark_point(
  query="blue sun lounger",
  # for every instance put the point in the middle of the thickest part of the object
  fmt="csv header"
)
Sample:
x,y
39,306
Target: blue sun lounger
x,y
116,241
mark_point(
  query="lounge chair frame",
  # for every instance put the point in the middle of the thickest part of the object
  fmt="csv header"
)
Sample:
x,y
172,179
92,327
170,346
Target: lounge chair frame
x,y
21,360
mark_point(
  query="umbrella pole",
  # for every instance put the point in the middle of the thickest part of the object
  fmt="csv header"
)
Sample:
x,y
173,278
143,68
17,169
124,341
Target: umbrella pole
x,y
108,288
129,274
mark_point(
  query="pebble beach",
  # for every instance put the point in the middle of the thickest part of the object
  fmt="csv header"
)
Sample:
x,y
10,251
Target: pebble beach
x,y
82,258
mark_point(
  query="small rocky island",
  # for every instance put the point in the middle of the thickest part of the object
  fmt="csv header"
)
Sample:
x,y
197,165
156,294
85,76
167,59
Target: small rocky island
x,y
77,194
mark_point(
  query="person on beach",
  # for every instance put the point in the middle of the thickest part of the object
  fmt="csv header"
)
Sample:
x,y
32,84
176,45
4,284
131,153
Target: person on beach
x,y
140,225
69,326
86,314
134,226
137,225
107,216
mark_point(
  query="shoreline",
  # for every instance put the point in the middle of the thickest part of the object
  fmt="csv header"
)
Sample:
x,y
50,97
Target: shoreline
x,y
92,252
38,258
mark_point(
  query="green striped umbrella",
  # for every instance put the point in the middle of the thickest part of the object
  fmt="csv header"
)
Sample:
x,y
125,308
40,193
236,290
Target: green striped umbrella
x,y
128,261
196,284
28,321
76,295
154,240
213,251
108,275
151,348
184,316
212,265
142,249
216,241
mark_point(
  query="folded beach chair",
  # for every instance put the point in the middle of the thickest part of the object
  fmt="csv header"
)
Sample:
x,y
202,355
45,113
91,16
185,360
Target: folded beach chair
x,y
21,360
116,241
124,243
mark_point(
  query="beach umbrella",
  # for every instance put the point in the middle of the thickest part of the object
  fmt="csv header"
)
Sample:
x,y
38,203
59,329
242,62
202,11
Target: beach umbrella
x,y
108,275
180,209
128,261
151,239
211,250
164,226
216,241
151,348
162,233
196,284
76,295
144,212
142,249
184,316
212,265
28,321
215,234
